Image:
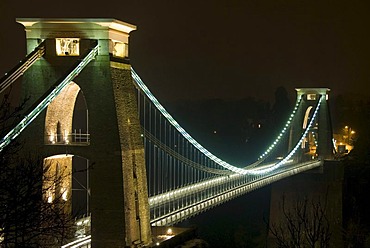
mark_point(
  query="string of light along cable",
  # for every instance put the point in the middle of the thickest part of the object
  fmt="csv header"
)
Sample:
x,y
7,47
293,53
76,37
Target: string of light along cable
x,y
255,171
292,152
277,139
10,77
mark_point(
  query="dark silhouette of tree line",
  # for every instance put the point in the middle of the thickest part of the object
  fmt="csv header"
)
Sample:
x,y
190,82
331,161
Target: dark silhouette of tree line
x,y
27,217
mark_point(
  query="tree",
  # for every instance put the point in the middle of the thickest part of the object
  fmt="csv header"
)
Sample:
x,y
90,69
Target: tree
x,y
27,215
279,115
28,218
281,107
304,224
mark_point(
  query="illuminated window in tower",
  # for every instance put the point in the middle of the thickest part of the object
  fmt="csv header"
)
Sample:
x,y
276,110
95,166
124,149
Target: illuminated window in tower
x,y
311,97
119,49
67,46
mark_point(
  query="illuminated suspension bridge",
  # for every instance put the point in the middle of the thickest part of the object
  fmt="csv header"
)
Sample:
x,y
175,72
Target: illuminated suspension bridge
x,y
183,177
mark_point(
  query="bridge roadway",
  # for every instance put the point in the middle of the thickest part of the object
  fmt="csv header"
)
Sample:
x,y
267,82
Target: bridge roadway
x,y
177,205
182,203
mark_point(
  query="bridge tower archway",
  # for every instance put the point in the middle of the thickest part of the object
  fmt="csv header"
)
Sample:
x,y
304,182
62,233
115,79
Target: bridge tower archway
x,y
318,142
65,122
66,180
119,201
61,174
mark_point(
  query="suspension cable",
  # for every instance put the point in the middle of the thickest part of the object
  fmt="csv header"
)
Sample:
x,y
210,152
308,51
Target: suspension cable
x,y
140,84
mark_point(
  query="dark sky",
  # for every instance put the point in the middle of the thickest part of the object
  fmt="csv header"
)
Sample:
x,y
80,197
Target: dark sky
x,y
223,49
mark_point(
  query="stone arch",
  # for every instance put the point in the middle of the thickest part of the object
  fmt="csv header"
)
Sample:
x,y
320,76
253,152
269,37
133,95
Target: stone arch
x,y
309,145
306,117
59,178
57,185
59,117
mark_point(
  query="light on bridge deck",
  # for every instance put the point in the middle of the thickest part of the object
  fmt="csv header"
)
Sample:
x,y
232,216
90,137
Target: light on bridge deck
x,y
163,235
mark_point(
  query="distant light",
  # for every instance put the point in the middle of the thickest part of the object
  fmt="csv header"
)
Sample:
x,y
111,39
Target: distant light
x,y
169,231
214,131
157,243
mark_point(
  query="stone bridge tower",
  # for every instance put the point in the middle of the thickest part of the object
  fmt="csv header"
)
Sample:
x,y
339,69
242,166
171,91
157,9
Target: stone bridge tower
x,y
319,141
111,140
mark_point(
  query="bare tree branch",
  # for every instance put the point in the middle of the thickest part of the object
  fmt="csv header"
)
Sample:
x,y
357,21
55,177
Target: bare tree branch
x,y
304,224
27,219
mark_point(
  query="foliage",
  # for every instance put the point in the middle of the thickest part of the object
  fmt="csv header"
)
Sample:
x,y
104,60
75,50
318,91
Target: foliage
x,y
231,127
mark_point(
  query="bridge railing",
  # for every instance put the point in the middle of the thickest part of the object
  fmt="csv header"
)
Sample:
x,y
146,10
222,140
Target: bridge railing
x,y
69,139
169,211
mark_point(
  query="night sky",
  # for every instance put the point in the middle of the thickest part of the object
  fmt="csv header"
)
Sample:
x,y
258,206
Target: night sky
x,y
190,50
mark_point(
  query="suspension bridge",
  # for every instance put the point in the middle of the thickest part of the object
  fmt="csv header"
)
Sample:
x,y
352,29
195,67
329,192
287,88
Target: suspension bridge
x,y
148,170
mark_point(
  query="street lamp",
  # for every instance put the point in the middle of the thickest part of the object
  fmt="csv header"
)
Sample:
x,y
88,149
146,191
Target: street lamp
x,y
349,132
